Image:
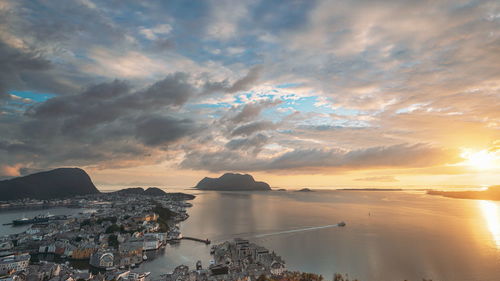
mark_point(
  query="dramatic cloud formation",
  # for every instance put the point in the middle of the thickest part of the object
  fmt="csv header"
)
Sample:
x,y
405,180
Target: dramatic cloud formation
x,y
374,158
323,88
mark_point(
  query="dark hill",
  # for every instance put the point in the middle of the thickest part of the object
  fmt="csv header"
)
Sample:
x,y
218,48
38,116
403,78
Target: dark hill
x,y
151,191
58,183
492,193
234,182
154,191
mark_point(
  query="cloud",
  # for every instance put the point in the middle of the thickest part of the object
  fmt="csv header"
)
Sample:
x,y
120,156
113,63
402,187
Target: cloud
x,y
153,33
250,128
246,82
250,111
378,179
9,171
160,130
396,156
106,124
253,144
20,69
242,84
360,85
106,102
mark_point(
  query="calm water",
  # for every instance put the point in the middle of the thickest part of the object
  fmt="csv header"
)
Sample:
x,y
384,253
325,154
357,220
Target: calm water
x,y
389,235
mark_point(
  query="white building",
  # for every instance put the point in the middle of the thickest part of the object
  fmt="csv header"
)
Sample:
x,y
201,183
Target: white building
x,y
151,243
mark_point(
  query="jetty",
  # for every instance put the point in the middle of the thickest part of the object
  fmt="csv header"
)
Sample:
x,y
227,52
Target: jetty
x,y
206,241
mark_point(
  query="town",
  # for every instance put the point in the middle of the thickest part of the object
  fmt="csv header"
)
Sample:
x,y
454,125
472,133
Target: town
x,y
233,260
113,234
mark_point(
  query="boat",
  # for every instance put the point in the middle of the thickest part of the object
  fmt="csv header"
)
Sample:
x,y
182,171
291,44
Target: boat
x,y
341,223
145,257
38,219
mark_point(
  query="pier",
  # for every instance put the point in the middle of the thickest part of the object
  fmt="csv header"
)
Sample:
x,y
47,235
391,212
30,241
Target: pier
x,y
206,241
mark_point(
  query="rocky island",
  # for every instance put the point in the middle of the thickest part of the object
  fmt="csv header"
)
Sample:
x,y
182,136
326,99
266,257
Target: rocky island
x,y
492,193
232,182
58,183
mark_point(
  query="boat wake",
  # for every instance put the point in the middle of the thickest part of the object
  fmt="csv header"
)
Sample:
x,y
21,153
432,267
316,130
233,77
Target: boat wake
x,y
265,236
296,230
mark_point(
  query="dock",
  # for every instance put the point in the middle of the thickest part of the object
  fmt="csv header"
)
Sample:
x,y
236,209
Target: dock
x,y
206,241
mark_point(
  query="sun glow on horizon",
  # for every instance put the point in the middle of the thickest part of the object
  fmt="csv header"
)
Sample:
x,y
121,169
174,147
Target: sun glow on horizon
x,y
481,160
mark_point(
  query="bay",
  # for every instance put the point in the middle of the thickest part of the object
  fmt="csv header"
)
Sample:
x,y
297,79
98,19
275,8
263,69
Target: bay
x,y
390,235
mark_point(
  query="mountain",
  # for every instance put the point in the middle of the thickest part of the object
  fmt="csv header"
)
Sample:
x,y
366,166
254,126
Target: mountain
x,y
234,182
58,183
492,193
151,191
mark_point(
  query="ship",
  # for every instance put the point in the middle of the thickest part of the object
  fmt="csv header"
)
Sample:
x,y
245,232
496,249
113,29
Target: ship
x,y
341,223
37,219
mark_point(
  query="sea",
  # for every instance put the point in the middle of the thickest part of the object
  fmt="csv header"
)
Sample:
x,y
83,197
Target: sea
x,y
389,235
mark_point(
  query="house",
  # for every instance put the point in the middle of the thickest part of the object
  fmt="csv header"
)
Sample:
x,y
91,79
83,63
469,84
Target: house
x,y
14,263
84,251
261,254
43,271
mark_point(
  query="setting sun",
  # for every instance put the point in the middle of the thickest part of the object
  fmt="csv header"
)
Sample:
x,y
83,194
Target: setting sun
x,y
481,160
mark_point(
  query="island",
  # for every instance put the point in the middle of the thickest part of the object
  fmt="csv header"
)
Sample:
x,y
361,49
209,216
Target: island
x,y
154,192
57,183
304,190
151,191
370,189
492,193
232,182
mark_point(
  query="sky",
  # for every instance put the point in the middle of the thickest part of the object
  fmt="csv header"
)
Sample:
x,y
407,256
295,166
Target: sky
x,y
319,94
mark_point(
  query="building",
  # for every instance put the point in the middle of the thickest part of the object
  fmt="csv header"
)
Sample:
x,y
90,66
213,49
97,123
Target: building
x,y
277,268
43,271
147,217
261,254
151,217
151,243
132,275
129,254
14,263
84,251
102,259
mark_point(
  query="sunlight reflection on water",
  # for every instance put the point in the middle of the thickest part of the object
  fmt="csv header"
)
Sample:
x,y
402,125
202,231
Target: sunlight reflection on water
x,y
491,214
